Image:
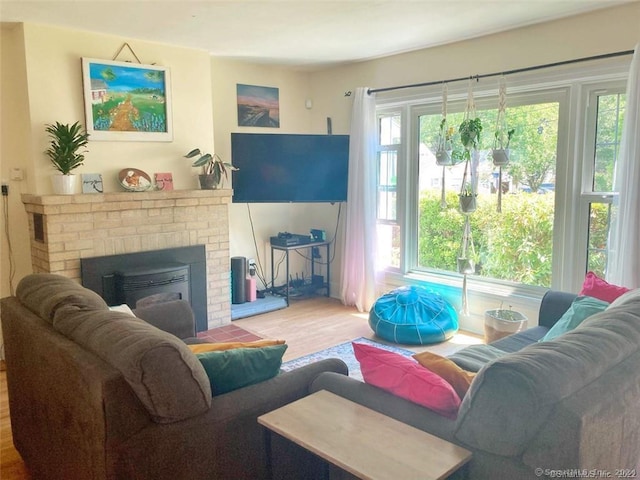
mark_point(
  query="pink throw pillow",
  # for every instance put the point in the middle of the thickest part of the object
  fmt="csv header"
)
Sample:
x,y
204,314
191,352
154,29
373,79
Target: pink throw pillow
x,y
406,378
596,287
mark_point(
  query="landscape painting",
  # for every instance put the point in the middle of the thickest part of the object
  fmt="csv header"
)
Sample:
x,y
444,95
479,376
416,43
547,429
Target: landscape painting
x,y
125,101
258,106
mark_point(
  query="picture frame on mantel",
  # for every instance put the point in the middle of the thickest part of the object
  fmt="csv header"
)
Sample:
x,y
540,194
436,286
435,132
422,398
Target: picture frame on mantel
x,y
127,101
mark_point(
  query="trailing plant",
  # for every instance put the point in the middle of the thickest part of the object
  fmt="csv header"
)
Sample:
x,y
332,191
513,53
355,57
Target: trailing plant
x,y
65,142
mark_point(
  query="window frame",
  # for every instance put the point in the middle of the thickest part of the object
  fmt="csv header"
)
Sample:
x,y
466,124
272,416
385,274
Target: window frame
x,y
567,86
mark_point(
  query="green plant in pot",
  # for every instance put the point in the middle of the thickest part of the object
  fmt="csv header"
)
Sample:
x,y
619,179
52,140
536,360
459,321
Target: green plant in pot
x,y
65,153
500,152
470,130
213,168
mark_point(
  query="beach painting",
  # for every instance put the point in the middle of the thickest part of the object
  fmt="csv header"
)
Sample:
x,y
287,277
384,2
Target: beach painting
x,y
126,101
258,106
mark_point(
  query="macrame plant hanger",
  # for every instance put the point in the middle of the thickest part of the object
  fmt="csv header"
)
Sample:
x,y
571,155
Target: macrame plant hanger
x,y
500,146
444,148
468,190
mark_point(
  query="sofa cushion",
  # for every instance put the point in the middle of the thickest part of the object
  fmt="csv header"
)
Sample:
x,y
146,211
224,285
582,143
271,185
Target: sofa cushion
x,y
159,367
474,357
221,346
580,310
451,373
45,293
235,368
513,396
594,286
406,378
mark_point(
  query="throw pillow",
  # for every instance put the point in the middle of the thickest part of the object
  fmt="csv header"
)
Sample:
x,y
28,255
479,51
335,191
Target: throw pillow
x,y
451,373
229,370
580,309
599,288
405,378
217,347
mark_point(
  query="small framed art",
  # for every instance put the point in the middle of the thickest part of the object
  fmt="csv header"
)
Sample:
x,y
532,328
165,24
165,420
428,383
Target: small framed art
x,y
164,181
92,183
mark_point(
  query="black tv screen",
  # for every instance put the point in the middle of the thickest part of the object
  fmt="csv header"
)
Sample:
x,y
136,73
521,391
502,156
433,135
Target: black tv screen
x,y
289,167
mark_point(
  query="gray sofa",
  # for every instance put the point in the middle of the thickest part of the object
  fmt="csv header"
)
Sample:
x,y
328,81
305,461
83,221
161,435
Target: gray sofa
x,y
96,394
539,409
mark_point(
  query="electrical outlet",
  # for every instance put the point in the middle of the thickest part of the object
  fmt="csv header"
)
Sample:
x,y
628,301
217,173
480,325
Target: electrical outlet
x,y
251,261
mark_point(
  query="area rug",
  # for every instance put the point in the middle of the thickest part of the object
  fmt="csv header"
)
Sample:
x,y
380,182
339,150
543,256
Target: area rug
x,y
344,352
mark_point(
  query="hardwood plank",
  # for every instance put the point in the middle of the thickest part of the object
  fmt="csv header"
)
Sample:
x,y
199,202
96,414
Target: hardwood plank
x,y
307,326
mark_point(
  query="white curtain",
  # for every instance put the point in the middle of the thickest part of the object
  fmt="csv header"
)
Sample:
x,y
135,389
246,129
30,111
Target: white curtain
x,y
624,245
358,261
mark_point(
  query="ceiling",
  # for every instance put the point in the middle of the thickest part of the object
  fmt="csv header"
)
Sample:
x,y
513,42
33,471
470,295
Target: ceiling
x,y
306,34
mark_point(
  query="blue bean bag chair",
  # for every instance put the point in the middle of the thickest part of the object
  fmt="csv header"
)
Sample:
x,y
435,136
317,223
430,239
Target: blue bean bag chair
x,y
413,315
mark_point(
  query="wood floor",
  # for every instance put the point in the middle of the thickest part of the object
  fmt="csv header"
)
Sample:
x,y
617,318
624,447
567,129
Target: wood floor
x,y
307,326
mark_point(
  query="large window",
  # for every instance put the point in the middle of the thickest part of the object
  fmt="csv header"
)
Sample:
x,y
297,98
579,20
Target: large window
x,y
557,190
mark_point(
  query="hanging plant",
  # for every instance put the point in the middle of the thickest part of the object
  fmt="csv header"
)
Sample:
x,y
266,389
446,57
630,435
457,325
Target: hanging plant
x,y
502,138
470,130
444,150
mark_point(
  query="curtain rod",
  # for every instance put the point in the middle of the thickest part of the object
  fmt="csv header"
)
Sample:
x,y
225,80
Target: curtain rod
x,y
495,74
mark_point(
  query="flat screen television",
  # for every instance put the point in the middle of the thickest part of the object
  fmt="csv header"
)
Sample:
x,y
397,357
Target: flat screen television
x,y
289,167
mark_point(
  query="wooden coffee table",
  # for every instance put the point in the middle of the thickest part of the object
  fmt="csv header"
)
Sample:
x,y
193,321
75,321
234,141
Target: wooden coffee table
x,y
363,442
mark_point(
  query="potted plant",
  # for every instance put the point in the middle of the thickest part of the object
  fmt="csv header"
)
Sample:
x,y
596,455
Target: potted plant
x,y
502,322
467,198
444,148
66,141
500,152
470,130
213,168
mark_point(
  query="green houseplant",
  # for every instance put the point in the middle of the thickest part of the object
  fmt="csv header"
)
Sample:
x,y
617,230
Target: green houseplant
x,y
64,153
500,152
213,168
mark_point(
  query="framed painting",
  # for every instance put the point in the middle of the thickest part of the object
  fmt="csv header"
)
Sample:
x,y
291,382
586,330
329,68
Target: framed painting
x,y
127,102
258,106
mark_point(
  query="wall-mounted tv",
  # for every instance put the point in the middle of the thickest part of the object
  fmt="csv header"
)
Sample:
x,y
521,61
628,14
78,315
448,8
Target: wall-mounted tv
x,y
289,167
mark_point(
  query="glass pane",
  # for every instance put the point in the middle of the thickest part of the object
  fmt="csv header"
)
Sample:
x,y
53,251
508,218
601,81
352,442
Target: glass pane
x,y
607,143
515,245
387,182
388,245
390,130
599,224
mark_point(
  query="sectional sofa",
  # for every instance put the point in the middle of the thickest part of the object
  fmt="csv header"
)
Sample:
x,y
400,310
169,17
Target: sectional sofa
x,y
564,407
97,394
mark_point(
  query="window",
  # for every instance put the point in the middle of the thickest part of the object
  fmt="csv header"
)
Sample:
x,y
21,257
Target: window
x,y
557,195
605,117
515,245
388,230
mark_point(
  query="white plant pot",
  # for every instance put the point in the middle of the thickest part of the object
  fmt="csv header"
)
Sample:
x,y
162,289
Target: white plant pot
x,y
443,157
500,156
63,184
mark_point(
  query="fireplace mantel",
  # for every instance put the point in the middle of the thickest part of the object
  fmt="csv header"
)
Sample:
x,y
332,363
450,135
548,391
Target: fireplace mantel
x,y
65,228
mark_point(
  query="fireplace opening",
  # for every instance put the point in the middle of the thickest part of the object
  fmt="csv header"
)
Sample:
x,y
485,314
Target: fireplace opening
x,y
151,276
141,287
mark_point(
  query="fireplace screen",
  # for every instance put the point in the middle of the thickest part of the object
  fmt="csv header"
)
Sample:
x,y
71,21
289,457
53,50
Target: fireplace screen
x,y
144,286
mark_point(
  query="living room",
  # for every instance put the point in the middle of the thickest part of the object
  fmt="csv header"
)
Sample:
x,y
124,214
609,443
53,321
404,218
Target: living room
x,y
44,85
42,56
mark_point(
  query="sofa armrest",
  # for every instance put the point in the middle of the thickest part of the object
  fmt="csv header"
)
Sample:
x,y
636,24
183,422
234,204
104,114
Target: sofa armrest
x,y
175,317
554,304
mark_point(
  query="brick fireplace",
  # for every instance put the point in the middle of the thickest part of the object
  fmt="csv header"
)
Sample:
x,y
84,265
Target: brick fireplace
x,y
67,228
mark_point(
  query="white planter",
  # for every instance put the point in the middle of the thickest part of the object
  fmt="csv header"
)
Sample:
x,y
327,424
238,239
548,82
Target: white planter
x,y
500,156
500,323
63,184
467,204
443,157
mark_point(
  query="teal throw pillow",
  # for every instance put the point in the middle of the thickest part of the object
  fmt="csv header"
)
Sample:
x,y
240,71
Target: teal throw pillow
x,y
232,369
580,309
